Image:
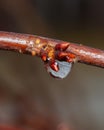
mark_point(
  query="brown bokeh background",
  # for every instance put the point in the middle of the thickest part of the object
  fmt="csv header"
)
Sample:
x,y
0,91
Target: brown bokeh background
x,y
29,97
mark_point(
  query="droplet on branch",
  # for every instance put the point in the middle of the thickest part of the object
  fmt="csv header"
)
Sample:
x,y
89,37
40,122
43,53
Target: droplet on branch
x,y
64,69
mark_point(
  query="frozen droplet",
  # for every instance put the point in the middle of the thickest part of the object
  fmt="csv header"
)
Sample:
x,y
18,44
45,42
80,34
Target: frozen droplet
x,y
64,69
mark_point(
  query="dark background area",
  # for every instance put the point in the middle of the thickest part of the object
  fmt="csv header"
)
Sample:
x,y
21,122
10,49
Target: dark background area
x,y
29,96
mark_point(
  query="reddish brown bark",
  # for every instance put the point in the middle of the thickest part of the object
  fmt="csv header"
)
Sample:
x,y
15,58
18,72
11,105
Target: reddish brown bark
x,y
36,45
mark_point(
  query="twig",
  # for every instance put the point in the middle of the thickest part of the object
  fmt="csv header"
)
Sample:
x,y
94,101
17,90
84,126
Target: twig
x,y
57,55
35,45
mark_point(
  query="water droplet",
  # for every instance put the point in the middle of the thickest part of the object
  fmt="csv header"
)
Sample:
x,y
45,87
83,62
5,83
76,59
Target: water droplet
x,y
64,69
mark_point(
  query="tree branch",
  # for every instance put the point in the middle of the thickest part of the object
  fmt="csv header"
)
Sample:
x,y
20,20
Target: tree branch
x,y
50,48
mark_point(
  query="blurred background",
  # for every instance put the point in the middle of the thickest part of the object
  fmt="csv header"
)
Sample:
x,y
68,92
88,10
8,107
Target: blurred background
x,y
29,97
